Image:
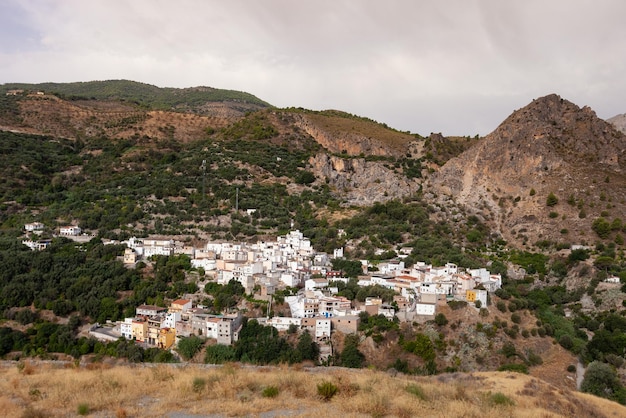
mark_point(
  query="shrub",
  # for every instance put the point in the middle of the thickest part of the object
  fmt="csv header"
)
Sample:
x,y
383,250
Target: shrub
x,y
83,409
501,306
515,317
602,227
566,342
457,304
508,349
514,367
305,177
440,319
417,390
534,359
614,360
326,390
571,368
552,200
602,380
198,384
500,399
270,392
219,354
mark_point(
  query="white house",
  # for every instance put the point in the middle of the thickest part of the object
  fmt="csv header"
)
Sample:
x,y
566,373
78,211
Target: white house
x,y
32,227
312,284
289,279
170,319
126,328
322,328
206,263
36,245
422,308
283,323
71,230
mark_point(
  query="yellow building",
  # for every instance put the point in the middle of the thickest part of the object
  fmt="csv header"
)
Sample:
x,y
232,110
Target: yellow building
x,y
167,336
139,329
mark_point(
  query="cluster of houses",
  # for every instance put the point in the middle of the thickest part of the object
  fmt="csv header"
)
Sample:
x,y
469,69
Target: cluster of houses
x,y
37,228
156,326
288,262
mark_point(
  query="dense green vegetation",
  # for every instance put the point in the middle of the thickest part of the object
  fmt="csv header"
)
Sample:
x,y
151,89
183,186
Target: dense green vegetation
x,y
86,279
85,182
259,344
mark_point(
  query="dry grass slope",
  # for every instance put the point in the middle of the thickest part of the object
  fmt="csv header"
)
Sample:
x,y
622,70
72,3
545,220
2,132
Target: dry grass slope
x,y
51,390
340,126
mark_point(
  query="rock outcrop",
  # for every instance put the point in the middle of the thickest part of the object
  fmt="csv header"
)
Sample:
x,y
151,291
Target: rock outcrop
x,y
362,182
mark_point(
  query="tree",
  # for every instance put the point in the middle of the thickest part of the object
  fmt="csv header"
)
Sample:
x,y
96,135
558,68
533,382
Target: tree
x,y
351,268
440,319
552,200
422,347
305,177
219,354
351,356
602,227
307,348
602,380
188,347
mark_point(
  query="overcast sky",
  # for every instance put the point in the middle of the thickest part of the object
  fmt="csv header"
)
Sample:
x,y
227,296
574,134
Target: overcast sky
x,y
458,67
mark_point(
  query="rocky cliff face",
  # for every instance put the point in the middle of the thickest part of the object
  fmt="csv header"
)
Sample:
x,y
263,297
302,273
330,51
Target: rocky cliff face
x,y
549,146
362,182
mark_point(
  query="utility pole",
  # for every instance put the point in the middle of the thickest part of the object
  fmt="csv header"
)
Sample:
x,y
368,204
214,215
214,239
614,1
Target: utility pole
x,y
237,200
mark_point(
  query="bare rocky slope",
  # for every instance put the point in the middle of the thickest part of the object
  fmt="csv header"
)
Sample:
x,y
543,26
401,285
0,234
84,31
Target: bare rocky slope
x,y
549,147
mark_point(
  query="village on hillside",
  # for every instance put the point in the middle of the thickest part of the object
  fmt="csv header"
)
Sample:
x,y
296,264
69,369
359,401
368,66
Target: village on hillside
x,y
290,262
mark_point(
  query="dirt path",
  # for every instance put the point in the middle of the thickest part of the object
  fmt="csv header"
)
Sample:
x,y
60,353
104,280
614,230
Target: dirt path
x,y
580,374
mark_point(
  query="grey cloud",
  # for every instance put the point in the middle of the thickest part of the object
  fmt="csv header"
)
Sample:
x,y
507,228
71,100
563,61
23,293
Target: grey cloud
x,y
459,67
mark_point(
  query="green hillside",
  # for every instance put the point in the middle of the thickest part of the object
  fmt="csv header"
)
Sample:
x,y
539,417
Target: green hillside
x,y
145,94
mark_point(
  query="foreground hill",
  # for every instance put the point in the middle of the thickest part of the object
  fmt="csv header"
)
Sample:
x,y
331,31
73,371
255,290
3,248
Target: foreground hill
x,y
546,173
151,391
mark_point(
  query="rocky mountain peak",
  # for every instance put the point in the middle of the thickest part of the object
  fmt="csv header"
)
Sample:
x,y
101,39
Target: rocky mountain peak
x,y
549,146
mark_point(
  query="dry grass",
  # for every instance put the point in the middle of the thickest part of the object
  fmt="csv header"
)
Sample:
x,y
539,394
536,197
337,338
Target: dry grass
x,y
51,390
340,126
